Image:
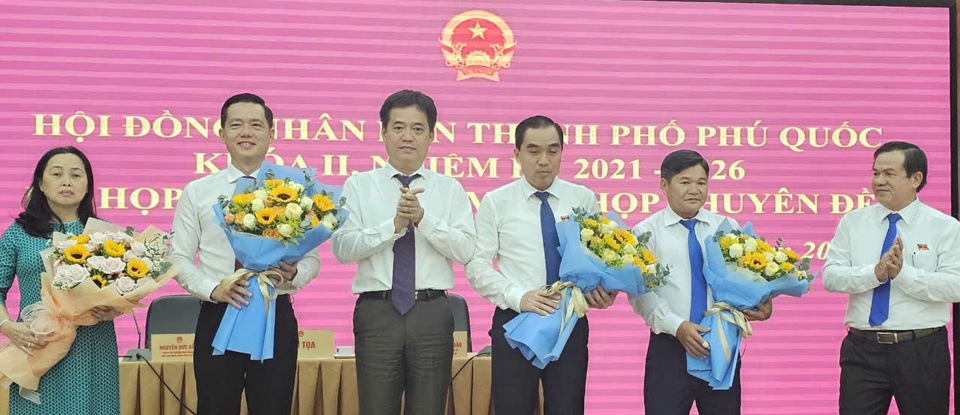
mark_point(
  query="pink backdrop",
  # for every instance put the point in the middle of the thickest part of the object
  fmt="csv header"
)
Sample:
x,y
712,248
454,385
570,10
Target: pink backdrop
x,y
611,68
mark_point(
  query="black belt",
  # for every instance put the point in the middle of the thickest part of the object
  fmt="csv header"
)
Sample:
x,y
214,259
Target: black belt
x,y
422,295
894,336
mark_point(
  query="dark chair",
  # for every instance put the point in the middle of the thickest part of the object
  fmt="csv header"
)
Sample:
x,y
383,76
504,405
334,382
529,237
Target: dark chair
x,y
172,314
461,317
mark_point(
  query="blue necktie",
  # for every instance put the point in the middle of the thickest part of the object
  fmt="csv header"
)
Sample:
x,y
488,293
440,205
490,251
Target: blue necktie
x,y
698,285
880,307
551,241
404,294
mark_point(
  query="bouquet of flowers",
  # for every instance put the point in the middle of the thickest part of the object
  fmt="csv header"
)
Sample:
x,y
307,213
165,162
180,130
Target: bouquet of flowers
x,y
105,266
283,216
743,270
595,251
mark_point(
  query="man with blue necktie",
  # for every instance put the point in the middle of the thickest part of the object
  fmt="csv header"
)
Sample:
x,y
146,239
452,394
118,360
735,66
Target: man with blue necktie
x,y
675,310
899,262
516,225
407,226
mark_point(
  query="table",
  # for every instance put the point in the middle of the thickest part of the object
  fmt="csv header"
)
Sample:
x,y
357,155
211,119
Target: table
x,y
323,386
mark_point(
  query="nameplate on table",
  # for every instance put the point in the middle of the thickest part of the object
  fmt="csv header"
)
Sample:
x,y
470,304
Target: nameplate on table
x,y
459,344
315,344
171,347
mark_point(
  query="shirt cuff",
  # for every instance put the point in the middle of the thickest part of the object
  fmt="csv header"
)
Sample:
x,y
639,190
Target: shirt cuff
x,y
513,296
908,275
869,277
385,230
428,224
206,288
299,280
671,323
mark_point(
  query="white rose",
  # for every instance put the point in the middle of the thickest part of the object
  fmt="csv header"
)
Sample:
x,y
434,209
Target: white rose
x,y
293,211
113,266
780,257
736,251
297,187
771,269
72,275
125,285
629,249
609,255
329,221
249,221
260,194
66,243
98,238
306,203
769,257
607,227
628,259
586,234
731,236
257,205
120,236
285,230
128,255
750,246
96,262
139,248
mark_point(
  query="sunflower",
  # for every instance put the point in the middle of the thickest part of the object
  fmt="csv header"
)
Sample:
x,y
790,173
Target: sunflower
x,y
98,279
639,263
244,198
590,223
283,194
625,236
726,242
323,203
753,260
605,221
792,256
81,239
611,242
273,182
763,246
648,256
113,248
137,269
76,254
266,216
786,267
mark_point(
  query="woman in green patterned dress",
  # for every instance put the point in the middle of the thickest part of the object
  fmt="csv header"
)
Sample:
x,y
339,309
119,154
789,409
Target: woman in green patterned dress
x,y
60,198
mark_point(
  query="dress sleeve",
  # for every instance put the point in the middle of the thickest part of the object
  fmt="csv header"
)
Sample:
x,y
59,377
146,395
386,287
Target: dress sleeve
x,y
8,259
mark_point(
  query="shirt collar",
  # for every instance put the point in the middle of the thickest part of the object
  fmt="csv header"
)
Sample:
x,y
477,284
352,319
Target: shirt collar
x,y
389,171
672,218
234,174
529,190
907,214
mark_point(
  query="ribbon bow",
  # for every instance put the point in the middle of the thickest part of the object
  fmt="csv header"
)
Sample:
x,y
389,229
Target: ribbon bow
x,y
728,313
265,281
576,304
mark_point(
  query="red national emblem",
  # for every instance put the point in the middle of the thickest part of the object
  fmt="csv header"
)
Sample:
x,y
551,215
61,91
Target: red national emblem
x,y
478,44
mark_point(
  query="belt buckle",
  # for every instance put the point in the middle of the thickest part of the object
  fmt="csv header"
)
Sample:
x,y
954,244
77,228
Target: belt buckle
x,y
886,337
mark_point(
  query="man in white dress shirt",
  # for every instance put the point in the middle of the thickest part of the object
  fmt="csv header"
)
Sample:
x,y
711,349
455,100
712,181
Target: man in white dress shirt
x,y
247,131
899,261
407,226
675,310
516,225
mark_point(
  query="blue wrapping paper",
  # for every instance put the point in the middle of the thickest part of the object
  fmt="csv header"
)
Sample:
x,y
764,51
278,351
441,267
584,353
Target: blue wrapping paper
x,y
539,338
251,330
740,292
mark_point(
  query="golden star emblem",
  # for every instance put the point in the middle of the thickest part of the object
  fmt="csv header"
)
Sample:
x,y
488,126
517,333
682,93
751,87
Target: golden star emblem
x,y
477,31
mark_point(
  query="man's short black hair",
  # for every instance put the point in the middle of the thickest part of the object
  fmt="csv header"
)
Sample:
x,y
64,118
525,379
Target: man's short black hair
x,y
407,98
914,159
680,160
246,97
536,121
